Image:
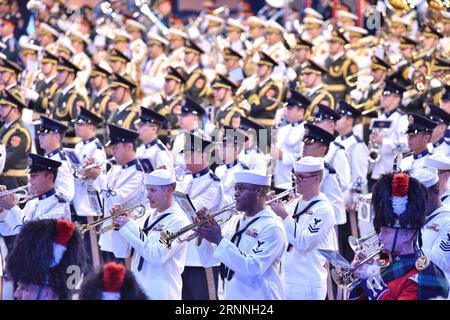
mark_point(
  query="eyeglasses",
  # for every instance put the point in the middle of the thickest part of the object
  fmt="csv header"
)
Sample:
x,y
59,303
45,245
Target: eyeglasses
x,y
241,188
301,178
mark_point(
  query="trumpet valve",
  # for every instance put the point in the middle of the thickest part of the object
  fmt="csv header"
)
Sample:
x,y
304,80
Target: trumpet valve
x,y
166,238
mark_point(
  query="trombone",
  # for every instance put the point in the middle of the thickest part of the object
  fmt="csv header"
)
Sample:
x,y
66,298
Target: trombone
x,y
83,228
21,193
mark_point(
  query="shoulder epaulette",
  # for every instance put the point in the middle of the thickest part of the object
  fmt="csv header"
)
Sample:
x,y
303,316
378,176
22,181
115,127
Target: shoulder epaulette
x,y
330,168
62,155
214,177
160,145
98,145
339,145
60,198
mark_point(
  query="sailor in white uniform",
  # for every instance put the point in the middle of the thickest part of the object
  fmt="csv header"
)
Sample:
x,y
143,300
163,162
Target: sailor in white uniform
x,y
156,267
436,231
309,223
442,164
251,245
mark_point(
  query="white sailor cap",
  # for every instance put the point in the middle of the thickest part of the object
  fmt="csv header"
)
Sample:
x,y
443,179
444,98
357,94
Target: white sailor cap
x,y
344,15
133,25
309,164
428,177
155,38
235,25
310,12
312,21
254,21
160,177
252,177
176,33
272,25
438,161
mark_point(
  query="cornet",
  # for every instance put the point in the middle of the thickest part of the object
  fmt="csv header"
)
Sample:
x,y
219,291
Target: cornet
x,y
83,228
21,194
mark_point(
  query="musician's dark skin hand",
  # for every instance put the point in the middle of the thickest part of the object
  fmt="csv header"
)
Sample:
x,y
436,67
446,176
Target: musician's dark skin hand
x,y
210,231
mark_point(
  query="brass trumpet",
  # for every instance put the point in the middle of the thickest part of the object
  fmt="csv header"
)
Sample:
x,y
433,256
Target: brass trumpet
x,y
346,278
79,172
21,194
167,237
358,244
83,228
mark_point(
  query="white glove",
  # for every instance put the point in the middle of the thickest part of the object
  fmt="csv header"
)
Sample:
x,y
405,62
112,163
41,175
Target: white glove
x,y
381,6
30,94
356,95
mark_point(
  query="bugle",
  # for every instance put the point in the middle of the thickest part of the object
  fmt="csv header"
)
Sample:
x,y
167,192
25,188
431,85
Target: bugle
x,y
83,228
21,194
79,172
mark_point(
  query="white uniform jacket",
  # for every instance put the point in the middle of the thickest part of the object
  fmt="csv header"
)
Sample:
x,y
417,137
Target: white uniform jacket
x,y
289,140
123,185
331,188
254,159
85,149
254,261
312,230
442,146
64,183
49,205
226,173
205,190
394,141
158,154
153,73
414,162
436,239
156,268
337,158
357,153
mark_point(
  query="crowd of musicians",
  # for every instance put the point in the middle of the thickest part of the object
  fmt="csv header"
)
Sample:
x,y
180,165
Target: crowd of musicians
x,y
224,156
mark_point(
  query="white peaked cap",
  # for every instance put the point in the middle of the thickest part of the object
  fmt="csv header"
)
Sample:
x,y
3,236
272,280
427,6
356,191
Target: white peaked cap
x,y
160,177
312,20
438,161
275,25
252,177
426,176
309,164
177,32
155,36
344,14
256,20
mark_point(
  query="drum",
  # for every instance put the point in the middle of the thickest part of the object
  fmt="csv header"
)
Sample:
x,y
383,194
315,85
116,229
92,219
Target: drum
x,y
365,212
